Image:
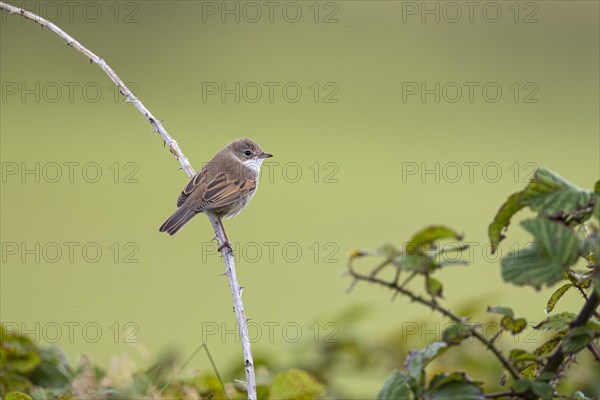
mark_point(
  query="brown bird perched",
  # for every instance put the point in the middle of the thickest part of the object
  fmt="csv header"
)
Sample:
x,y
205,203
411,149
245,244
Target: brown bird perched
x,y
223,187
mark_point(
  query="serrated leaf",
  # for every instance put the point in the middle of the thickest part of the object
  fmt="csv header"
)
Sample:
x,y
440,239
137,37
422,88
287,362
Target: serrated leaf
x,y
577,338
456,333
454,386
542,389
550,195
396,387
429,235
556,249
417,360
295,384
557,322
506,311
433,286
502,219
556,296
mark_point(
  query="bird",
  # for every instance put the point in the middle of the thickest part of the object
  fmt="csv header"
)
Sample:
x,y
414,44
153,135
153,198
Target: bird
x,y
222,188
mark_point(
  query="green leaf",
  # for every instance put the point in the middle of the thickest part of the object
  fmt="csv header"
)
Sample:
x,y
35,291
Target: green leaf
x,y
506,311
590,248
557,322
518,355
542,389
502,219
433,286
428,236
396,387
521,386
549,345
550,195
420,263
456,333
508,322
597,206
556,296
577,338
417,360
295,384
454,386
554,250
513,325
53,371
17,396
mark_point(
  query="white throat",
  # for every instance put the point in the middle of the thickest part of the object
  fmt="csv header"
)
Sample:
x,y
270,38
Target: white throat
x,y
254,164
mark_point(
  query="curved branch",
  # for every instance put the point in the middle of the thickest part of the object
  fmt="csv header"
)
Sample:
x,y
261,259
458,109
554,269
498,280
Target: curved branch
x,y
236,291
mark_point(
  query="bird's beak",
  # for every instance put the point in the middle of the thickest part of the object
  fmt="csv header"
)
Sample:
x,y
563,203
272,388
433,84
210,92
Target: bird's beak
x,y
265,155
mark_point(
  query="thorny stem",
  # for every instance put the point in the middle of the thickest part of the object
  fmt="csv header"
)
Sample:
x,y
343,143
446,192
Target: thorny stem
x,y
442,310
236,291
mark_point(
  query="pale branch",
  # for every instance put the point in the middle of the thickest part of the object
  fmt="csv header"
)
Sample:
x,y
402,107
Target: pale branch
x,y
123,89
236,291
435,306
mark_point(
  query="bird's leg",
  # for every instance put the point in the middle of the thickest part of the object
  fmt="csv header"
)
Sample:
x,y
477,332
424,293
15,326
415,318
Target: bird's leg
x,y
226,243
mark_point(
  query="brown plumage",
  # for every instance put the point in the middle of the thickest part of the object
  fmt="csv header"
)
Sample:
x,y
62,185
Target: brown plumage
x,y
223,187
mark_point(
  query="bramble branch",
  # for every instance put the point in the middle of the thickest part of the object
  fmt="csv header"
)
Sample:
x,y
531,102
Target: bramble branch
x,y
236,291
435,306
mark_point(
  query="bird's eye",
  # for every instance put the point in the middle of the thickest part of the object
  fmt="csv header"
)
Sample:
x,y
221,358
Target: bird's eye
x,y
247,153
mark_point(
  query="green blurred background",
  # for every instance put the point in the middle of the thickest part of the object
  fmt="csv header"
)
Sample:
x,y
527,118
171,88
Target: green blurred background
x,y
354,140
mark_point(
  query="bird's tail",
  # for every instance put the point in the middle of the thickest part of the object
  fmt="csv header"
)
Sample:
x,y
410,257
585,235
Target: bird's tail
x,y
177,220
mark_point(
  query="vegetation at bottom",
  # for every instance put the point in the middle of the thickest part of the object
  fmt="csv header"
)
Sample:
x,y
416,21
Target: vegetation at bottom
x,y
465,361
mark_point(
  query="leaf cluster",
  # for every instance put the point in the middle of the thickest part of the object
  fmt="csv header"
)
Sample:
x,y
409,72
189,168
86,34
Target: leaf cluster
x,y
565,235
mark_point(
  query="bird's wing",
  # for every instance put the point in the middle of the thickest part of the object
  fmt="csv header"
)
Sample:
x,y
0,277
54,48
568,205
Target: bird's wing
x,y
222,191
194,182
218,192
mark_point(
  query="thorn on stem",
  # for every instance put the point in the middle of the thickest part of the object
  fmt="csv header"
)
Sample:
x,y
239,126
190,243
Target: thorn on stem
x,y
352,285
